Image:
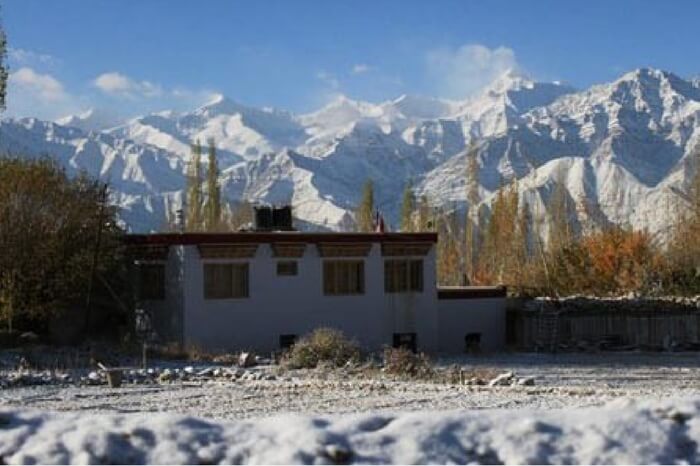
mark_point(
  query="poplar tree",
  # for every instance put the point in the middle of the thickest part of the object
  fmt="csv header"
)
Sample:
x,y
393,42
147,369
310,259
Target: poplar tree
x,y
408,206
194,190
3,68
212,207
365,211
426,221
472,216
560,234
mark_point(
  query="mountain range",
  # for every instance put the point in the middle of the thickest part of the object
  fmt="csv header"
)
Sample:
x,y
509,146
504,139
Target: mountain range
x,y
624,151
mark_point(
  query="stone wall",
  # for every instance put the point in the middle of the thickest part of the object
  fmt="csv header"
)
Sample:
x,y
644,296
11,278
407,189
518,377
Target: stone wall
x,y
583,323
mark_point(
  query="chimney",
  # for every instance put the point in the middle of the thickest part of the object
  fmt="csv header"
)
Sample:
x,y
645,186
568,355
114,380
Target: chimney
x,y
268,218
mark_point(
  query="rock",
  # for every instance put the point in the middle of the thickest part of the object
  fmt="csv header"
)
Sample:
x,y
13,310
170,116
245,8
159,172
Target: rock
x,y
166,376
247,359
207,372
526,381
93,378
189,370
502,380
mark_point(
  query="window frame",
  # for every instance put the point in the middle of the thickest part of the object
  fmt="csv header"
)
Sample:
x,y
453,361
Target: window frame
x,y
404,275
238,290
336,270
283,263
159,296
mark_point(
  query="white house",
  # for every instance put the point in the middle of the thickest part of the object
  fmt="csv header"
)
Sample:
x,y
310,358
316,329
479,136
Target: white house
x,y
261,290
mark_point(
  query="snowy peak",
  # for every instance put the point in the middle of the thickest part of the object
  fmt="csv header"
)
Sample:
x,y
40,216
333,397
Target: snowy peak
x,y
623,147
91,120
422,107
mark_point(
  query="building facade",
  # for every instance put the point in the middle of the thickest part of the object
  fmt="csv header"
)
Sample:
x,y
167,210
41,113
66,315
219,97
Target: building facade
x,y
262,290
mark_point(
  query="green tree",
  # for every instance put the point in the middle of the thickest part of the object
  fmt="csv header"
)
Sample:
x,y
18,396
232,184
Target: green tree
x,y
3,68
212,207
408,207
365,211
194,216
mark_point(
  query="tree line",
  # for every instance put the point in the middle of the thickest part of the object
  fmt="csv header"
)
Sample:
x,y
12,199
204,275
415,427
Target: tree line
x,y
561,251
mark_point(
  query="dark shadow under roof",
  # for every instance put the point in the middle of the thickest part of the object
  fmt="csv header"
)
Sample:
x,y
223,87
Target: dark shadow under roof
x,y
276,237
471,292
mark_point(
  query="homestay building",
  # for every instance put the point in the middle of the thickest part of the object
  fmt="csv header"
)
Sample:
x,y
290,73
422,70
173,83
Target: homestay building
x,y
260,290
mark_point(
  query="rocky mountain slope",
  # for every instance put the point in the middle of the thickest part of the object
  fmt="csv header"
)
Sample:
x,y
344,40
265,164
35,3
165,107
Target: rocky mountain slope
x,y
623,149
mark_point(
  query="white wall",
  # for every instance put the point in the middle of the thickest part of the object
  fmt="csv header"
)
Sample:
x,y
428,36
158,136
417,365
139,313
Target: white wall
x,y
296,305
458,317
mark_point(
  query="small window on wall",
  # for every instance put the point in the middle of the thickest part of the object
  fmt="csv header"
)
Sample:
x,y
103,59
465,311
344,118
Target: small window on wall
x,y
403,275
343,277
406,340
472,342
225,281
151,284
287,268
287,341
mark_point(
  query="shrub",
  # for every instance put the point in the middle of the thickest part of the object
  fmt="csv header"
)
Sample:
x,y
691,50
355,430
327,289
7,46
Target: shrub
x,y
405,363
322,345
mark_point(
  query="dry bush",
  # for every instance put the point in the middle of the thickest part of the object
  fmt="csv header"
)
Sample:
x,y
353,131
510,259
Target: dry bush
x,y
178,352
405,363
325,345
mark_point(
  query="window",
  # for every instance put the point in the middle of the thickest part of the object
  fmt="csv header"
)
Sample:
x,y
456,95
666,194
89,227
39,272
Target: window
x,y
225,281
406,340
402,275
472,342
287,268
151,281
287,341
343,277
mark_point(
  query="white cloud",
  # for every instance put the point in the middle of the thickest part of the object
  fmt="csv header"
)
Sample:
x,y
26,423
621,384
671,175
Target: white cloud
x,y
45,86
117,84
24,57
360,68
462,71
329,79
34,94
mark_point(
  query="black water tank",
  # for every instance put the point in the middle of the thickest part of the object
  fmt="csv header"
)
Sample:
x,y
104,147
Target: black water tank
x,y
263,218
282,218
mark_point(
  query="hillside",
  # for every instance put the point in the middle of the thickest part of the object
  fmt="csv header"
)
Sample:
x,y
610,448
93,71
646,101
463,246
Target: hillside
x,y
622,148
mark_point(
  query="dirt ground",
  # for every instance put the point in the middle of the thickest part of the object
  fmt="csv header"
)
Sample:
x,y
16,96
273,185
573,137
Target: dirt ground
x,y
564,380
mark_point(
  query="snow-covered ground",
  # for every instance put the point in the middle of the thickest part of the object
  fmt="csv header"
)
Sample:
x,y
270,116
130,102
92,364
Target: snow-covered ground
x,y
623,432
582,408
560,381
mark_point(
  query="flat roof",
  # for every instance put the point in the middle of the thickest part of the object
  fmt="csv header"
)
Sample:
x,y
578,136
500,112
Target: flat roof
x,y
277,237
471,292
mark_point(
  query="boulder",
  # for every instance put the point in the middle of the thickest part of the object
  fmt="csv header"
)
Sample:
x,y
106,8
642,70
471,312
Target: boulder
x,y
502,380
526,381
247,359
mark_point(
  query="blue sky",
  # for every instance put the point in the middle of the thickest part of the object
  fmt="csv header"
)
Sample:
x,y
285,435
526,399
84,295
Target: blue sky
x,y
134,56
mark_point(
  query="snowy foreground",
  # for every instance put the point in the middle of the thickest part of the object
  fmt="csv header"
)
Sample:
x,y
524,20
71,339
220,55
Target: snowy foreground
x,y
580,408
620,432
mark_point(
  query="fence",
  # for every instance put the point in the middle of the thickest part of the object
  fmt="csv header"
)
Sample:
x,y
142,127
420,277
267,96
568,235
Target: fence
x,y
584,324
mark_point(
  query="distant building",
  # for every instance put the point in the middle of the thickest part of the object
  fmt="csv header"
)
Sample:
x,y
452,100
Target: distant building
x,y
261,290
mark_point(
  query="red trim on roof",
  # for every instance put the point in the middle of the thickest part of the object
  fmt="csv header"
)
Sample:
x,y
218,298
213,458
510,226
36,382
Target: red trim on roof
x,y
472,292
275,237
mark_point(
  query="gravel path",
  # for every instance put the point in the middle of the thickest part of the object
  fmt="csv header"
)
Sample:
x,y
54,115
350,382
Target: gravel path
x,y
565,380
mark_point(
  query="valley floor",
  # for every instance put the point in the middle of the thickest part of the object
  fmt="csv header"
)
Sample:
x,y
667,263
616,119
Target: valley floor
x,y
610,408
560,381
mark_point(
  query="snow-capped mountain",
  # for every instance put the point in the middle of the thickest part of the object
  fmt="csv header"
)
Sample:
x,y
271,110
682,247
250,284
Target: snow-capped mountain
x,y
623,149
94,119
